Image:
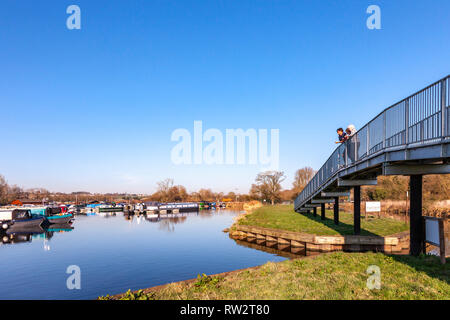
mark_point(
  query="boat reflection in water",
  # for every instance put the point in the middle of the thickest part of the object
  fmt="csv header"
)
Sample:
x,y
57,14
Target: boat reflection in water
x,y
33,233
166,221
107,214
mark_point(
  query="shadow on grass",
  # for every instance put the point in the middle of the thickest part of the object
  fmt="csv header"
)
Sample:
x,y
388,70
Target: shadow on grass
x,y
342,228
428,264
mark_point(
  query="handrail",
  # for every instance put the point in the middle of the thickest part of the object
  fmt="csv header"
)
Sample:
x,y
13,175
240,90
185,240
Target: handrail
x,y
420,118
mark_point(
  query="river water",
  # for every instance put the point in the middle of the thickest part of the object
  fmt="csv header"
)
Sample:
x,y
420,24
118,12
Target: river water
x,y
115,253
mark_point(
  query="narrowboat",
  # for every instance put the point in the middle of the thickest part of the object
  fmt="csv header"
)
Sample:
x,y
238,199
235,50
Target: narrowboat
x,y
52,215
151,207
109,208
19,218
180,207
60,218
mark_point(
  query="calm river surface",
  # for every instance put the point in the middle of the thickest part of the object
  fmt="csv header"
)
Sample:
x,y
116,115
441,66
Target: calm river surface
x,y
115,254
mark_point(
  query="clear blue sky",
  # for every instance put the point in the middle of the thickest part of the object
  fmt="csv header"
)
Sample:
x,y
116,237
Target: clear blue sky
x,y
94,109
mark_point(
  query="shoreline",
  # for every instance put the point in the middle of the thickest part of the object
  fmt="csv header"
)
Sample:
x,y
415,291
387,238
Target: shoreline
x,y
240,215
335,276
236,234
193,280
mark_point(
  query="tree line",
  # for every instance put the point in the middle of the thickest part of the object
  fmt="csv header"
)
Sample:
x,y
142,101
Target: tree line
x,y
266,188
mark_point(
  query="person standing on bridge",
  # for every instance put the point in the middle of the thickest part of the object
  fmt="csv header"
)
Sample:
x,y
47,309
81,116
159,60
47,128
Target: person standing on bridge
x,y
342,138
350,131
341,135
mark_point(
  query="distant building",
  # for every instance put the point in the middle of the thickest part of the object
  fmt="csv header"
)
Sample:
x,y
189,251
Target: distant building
x,y
27,201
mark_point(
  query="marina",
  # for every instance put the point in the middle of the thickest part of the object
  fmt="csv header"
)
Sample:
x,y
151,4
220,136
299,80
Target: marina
x,y
163,249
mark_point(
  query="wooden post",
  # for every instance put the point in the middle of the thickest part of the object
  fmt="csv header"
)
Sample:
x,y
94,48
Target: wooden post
x,y
322,212
357,210
443,234
442,252
416,227
336,210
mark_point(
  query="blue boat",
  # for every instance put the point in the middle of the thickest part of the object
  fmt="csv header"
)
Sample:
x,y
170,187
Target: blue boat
x,y
59,218
19,218
52,215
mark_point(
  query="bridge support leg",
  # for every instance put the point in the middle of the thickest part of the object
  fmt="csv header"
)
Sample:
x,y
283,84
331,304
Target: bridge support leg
x,y
308,212
315,211
416,226
336,210
322,211
357,210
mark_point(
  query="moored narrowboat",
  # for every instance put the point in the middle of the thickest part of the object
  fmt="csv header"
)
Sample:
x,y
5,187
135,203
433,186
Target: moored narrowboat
x,y
178,207
109,208
59,218
52,215
19,218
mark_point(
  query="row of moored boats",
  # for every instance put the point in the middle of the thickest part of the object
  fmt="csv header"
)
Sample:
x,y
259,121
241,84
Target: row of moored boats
x,y
29,217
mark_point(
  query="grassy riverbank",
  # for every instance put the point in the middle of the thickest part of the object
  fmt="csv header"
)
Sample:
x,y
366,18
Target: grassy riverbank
x,y
284,217
329,276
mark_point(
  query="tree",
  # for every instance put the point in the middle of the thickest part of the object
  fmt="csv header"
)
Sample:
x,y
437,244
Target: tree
x,y
163,189
177,194
3,189
206,194
268,185
287,195
302,177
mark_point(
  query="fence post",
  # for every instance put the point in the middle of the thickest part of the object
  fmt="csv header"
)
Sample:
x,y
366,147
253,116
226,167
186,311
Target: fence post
x,y
367,140
444,123
346,153
406,121
384,129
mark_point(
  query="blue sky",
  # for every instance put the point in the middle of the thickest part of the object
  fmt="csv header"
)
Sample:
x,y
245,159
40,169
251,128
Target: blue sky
x,y
94,109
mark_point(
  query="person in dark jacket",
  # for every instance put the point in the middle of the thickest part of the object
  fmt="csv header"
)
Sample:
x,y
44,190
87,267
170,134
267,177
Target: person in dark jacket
x,y
341,135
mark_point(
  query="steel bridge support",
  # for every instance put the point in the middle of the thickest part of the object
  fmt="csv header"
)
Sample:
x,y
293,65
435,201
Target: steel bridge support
x,y
357,210
322,211
336,210
416,223
315,211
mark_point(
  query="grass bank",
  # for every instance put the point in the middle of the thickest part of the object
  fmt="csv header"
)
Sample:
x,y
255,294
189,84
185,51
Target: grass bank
x,y
329,276
284,217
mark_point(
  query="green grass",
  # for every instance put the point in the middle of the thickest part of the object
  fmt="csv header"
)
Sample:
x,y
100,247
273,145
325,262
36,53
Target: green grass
x,y
329,276
284,217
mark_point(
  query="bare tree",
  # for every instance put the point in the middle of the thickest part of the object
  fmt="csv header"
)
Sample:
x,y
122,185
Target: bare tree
x,y
302,177
206,194
163,189
3,189
268,185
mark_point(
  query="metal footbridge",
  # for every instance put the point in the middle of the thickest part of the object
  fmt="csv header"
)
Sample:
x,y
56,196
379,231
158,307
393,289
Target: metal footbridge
x,y
411,137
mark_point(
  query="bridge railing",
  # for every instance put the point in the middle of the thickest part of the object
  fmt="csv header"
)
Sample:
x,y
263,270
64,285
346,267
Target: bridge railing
x,y
422,118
